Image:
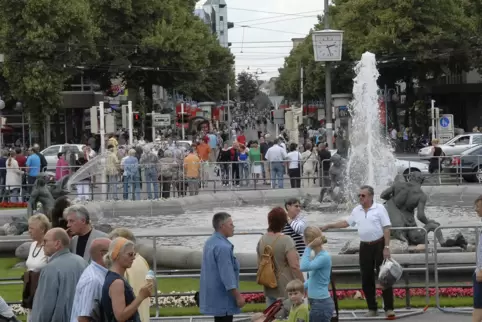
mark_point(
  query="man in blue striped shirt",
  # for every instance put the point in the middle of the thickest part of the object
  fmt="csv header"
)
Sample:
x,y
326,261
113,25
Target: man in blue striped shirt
x,y
89,287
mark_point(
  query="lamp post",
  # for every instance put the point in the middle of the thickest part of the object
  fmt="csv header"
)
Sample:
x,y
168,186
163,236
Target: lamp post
x,y
2,106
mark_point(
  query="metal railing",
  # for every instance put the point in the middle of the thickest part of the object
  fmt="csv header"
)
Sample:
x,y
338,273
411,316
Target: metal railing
x,y
194,273
437,268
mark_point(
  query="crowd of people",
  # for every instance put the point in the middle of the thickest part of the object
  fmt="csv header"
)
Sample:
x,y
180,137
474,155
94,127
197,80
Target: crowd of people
x,y
293,264
75,272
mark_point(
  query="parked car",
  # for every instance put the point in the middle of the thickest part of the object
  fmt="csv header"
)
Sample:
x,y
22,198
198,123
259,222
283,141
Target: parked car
x,y
51,152
455,146
468,164
405,167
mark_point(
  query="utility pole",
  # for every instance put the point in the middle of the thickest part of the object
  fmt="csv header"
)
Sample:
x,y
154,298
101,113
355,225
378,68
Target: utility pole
x,y
301,88
130,122
228,88
328,107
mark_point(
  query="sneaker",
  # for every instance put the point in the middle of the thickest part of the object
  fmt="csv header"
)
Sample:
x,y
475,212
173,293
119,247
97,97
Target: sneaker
x,y
371,314
389,314
237,186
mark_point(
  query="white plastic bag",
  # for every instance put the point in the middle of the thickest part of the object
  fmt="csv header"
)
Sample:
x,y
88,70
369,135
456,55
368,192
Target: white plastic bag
x,y
390,272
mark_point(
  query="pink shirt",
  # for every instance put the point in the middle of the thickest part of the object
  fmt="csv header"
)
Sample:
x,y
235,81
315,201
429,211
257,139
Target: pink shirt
x,y
62,169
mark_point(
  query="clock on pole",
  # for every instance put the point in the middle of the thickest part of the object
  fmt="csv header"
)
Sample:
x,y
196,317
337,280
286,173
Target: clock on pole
x,y
328,45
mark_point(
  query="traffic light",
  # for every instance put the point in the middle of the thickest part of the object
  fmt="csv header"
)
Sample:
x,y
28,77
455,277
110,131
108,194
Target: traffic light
x,y
136,120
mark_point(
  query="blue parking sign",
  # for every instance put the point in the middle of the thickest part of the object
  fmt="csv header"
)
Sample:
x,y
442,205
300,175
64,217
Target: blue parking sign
x,y
444,122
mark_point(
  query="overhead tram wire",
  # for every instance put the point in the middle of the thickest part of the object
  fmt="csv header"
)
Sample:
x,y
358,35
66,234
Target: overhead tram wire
x,y
273,30
274,21
273,12
299,14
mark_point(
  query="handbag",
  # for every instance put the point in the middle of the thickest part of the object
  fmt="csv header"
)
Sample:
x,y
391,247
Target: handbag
x,y
30,283
335,299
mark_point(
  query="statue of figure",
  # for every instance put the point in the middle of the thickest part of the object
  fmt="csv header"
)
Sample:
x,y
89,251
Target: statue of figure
x,y
45,195
40,193
402,199
337,176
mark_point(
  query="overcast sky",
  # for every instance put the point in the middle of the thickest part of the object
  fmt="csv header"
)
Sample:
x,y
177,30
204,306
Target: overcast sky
x,y
273,23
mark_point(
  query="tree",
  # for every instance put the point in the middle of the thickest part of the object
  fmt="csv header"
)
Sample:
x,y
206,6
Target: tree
x,y
247,87
215,78
37,38
177,48
413,39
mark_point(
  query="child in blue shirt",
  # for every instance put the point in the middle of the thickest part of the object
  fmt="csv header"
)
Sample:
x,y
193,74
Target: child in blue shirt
x,y
319,268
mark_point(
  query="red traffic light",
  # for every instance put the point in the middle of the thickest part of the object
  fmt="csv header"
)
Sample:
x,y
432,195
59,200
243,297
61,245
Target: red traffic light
x,y
136,116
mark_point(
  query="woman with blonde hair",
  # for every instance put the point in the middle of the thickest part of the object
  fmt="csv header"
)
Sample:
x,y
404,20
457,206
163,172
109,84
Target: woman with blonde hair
x,y
136,274
319,268
118,300
38,225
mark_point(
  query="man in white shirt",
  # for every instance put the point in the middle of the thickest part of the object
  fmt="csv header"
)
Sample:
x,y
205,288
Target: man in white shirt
x,y
276,156
89,287
373,224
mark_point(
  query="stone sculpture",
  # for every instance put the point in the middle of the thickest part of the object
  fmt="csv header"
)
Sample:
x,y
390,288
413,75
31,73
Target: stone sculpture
x,y
402,199
337,177
42,193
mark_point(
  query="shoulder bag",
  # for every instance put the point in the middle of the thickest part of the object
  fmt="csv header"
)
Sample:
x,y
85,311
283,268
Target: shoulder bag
x,y
335,299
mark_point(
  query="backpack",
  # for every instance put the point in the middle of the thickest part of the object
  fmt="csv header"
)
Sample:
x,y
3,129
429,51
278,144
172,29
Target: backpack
x,y
266,274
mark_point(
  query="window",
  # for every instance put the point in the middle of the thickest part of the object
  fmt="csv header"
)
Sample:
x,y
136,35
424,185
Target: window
x,y
221,32
51,151
477,139
463,140
221,18
476,151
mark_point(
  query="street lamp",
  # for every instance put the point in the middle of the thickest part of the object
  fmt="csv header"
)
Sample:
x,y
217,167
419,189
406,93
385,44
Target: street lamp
x,y
19,108
2,106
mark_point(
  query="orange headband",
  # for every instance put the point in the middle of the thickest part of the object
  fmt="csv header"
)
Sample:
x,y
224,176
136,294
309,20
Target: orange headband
x,y
118,246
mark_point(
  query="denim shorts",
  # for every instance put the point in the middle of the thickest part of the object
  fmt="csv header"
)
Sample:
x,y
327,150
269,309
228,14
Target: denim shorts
x,y
477,293
321,310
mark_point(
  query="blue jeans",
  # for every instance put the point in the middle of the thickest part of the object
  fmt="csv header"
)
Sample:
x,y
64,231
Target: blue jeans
x,y
132,184
270,300
112,187
244,173
277,174
321,310
151,183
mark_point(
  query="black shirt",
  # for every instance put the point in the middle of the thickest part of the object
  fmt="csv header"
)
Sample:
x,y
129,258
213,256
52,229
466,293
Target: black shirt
x,y
325,155
82,243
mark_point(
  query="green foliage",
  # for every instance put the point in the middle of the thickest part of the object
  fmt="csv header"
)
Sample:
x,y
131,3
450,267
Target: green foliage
x,y
44,40
247,87
30,33
412,39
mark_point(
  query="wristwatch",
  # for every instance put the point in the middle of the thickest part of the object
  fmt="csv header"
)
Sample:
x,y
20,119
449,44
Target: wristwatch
x,y
387,247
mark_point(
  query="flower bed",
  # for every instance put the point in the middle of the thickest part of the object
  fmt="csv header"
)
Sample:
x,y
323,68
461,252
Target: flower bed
x,y
188,301
13,204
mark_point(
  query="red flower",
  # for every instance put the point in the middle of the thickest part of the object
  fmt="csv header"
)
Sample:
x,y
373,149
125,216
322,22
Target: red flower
x,y
7,204
465,291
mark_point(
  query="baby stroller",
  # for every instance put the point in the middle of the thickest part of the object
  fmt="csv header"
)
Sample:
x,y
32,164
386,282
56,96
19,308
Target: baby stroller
x,y
268,315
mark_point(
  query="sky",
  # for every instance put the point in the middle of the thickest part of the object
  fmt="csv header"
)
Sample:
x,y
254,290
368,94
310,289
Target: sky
x,y
262,45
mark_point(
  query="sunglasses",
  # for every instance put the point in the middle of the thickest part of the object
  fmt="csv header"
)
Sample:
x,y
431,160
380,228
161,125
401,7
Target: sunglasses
x,y
361,196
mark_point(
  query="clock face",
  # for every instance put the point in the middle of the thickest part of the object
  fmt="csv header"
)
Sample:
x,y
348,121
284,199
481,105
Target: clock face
x,y
327,46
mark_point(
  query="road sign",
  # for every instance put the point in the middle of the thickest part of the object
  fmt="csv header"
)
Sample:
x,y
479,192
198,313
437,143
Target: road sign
x,y
276,100
444,122
159,120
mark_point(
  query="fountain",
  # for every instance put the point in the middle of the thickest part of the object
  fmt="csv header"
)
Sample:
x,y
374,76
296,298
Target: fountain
x,y
370,157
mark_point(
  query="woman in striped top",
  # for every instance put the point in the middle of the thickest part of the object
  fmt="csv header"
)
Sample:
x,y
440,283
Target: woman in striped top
x,y
296,224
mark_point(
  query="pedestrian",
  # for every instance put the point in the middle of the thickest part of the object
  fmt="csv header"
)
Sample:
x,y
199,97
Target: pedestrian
x,y
219,294
373,224
54,297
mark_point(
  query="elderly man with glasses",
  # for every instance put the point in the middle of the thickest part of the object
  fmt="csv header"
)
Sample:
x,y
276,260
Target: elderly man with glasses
x,y
373,224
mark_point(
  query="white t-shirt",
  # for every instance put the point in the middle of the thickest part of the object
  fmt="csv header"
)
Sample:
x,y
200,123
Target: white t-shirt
x,y
370,224
276,154
294,158
36,259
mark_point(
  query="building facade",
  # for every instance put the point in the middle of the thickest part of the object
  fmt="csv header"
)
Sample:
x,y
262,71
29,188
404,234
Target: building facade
x,y
215,14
